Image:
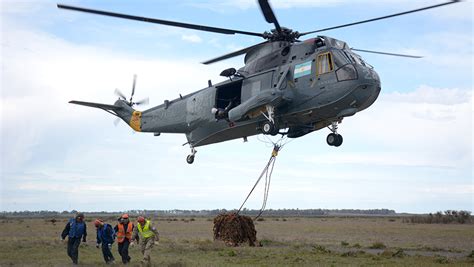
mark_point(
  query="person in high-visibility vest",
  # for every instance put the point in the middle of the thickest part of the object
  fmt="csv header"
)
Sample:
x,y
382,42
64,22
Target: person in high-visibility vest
x,y
124,231
148,237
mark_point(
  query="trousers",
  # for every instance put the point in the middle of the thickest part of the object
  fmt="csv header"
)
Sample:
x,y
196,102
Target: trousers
x,y
108,257
145,246
73,248
123,250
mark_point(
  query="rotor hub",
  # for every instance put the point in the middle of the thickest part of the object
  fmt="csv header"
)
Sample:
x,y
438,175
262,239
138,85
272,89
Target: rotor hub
x,y
285,34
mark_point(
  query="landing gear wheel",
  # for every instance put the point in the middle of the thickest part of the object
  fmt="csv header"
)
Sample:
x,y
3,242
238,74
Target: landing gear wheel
x,y
268,128
338,140
331,139
190,159
275,131
334,139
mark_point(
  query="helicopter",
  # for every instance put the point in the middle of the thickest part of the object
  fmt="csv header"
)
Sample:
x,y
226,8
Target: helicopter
x,y
287,87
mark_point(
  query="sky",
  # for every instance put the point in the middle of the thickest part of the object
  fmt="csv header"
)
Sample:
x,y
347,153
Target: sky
x,y
411,151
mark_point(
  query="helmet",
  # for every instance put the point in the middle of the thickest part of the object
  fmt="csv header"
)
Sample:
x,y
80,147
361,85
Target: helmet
x,y
97,222
125,216
140,219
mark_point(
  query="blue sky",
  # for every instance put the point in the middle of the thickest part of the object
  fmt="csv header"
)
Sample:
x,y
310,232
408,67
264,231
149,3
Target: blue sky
x,y
411,151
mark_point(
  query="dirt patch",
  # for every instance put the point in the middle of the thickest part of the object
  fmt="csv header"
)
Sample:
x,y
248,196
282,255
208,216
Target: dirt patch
x,y
234,229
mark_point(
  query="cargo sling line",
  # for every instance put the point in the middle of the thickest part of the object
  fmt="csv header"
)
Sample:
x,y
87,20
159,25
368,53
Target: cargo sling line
x,y
267,172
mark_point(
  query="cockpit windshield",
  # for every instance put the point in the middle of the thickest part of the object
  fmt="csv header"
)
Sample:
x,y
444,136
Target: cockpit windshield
x,y
357,59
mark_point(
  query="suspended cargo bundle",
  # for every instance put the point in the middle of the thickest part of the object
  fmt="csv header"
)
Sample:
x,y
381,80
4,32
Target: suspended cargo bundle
x,y
234,229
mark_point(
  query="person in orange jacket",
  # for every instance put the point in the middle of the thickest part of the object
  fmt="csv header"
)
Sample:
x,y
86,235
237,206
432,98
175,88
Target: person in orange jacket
x,y
124,230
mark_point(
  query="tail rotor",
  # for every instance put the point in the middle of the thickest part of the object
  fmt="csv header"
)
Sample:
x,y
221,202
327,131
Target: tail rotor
x,y
130,102
121,96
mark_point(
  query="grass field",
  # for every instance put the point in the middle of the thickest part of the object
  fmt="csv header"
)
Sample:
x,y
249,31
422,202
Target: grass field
x,y
355,241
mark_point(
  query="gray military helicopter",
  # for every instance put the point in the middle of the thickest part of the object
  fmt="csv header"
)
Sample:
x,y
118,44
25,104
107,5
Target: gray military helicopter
x,y
287,86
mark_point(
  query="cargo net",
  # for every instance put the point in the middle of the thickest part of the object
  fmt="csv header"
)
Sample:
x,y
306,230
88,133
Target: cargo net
x,y
234,229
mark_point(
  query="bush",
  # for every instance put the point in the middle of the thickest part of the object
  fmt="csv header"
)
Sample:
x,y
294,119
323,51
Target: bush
x,y
344,243
471,255
352,253
442,260
321,249
378,245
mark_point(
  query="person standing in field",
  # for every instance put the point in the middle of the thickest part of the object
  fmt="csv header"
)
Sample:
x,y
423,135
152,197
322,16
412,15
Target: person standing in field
x,y
124,230
105,236
148,238
75,230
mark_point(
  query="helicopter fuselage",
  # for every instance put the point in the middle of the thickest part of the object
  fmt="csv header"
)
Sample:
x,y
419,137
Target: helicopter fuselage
x,y
309,85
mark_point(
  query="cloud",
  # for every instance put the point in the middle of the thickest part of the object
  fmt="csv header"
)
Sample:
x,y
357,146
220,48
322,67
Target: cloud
x,y
418,127
192,38
410,140
42,73
429,95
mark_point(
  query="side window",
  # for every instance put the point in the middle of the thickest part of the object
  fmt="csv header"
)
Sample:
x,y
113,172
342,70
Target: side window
x,y
325,63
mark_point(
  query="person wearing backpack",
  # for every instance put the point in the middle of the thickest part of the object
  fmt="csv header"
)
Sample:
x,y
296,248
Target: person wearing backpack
x,y
105,236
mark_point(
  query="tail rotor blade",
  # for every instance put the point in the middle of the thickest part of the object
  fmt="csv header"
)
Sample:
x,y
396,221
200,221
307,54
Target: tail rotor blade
x,y
144,101
119,94
133,87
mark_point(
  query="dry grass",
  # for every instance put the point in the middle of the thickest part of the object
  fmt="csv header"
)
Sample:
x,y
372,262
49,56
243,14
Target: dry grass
x,y
289,242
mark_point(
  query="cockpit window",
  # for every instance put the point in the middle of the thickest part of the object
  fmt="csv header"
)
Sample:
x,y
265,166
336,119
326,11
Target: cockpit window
x,y
340,58
358,59
325,63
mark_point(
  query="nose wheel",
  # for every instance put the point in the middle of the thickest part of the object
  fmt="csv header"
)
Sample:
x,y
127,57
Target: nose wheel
x,y
190,157
269,127
334,139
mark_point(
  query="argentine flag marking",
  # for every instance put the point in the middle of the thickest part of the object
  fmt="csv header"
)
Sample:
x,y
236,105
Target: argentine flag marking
x,y
302,69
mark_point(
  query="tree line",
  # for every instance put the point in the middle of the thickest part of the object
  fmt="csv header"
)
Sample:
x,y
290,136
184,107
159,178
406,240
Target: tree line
x,y
449,216
214,212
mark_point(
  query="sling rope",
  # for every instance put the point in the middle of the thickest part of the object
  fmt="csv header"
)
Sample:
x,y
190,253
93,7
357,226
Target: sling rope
x,y
267,172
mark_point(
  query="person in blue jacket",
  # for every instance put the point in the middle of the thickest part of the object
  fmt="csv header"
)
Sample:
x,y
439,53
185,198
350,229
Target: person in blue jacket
x,y
75,230
105,236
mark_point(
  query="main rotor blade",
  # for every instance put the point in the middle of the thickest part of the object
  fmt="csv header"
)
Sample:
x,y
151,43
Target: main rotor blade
x,y
380,18
233,54
268,14
385,53
160,21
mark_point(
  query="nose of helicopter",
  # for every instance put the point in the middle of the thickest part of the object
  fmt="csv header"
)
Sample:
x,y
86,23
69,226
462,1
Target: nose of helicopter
x,y
368,90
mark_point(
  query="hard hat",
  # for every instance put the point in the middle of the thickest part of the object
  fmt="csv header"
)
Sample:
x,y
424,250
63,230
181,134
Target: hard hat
x,y
140,219
125,216
97,222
